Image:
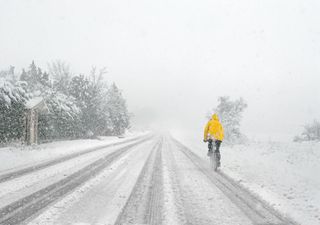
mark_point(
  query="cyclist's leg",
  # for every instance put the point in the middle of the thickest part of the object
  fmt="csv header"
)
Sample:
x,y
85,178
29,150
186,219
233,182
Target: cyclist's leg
x,y
218,143
210,147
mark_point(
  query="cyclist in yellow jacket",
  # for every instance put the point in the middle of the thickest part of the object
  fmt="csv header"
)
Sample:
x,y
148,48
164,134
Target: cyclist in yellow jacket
x,y
214,132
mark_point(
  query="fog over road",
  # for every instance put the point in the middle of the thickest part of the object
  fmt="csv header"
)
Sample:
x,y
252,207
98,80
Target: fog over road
x,y
153,179
172,59
164,66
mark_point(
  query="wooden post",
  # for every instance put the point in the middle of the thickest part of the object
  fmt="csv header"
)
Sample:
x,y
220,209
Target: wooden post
x,y
34,107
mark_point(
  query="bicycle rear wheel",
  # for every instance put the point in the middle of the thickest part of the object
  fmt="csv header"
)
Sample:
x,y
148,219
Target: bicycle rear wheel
x,y
214,161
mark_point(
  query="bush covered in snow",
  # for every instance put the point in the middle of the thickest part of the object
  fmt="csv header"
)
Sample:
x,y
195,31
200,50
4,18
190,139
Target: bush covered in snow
x,y
311,132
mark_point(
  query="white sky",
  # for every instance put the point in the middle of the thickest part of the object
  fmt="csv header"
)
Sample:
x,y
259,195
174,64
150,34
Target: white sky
x,y
174,58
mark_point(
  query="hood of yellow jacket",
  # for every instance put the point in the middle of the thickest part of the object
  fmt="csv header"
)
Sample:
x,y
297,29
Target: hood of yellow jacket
x,y
215,117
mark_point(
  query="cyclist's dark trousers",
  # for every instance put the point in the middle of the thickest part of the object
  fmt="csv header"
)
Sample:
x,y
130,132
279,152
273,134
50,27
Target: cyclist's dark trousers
x,y
218,143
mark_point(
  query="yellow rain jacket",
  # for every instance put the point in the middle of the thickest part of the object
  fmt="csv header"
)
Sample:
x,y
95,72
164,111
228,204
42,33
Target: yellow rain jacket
x,y
214,129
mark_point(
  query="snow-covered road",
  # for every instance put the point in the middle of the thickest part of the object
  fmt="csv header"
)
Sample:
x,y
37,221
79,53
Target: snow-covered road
x,y
153,180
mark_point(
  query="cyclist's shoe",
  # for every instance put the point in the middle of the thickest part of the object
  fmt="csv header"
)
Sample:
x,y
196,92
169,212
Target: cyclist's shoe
x,y
209,153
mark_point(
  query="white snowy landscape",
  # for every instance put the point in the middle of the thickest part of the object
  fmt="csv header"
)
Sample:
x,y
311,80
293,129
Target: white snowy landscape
x,y
165,112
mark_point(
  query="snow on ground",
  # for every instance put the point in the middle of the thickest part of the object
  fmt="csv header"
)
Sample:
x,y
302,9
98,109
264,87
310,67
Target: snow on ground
x,y
21,156
101,199
15,189
127,192
285,174
202,202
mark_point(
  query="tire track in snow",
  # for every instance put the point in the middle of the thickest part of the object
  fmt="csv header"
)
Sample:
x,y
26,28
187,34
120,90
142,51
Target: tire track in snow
x,y
201,202
174,209
21,172
26,207
144,206
101,199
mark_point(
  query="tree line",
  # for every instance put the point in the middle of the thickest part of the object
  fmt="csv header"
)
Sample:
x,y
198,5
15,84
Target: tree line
x,y
78,105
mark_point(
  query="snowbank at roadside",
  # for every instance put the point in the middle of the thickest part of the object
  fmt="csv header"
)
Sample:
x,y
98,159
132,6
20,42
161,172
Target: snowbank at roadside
x,y
16,157
285,174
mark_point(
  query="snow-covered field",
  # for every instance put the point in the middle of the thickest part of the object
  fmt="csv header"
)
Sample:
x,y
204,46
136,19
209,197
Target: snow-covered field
x,y
285,174
16,157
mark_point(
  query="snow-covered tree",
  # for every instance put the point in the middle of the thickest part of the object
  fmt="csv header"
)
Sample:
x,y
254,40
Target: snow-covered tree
x,y
35,78
103,109
13,97
84,94
61,74
230,113
63,119
79,106
90,95
118,112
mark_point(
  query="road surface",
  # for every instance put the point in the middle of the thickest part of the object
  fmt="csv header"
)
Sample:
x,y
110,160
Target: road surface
x,y
147,180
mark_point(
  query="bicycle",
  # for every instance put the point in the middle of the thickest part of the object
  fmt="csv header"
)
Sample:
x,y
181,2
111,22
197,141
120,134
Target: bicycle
x,y
214,156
